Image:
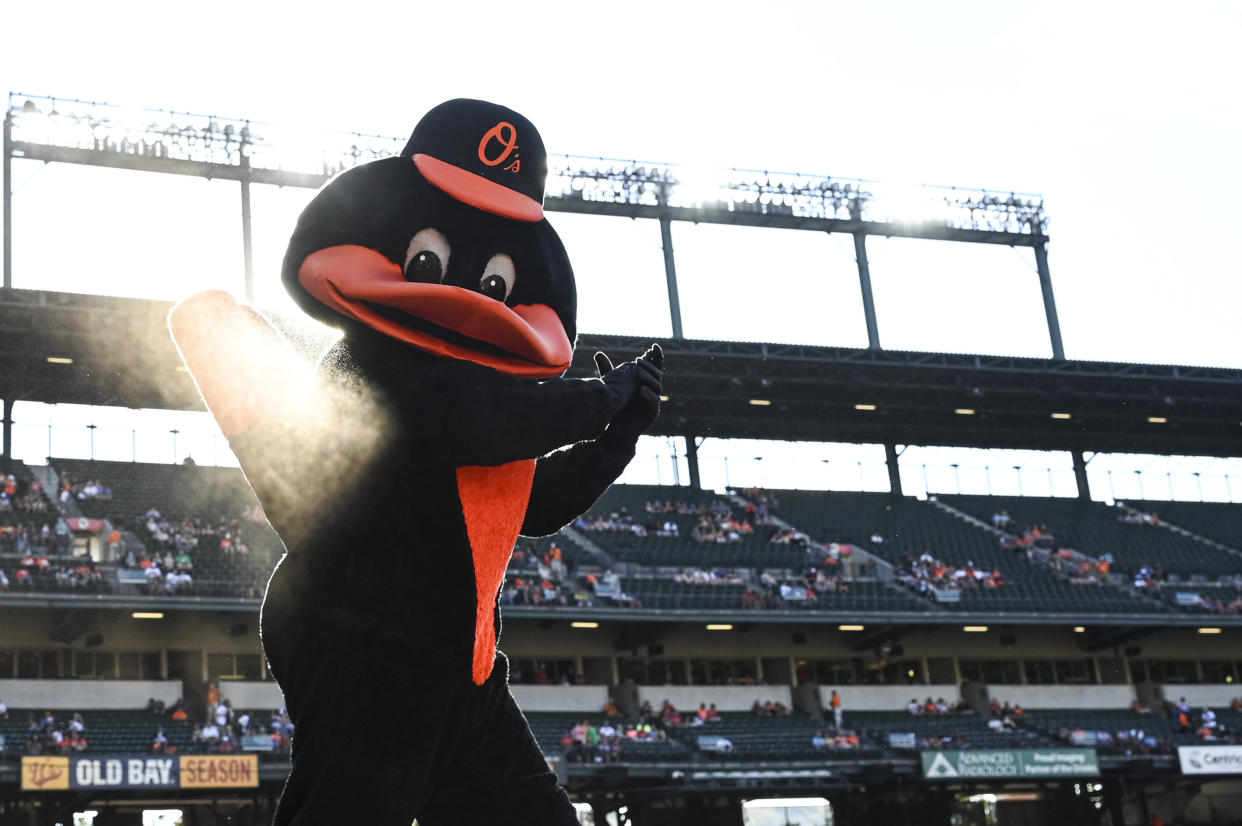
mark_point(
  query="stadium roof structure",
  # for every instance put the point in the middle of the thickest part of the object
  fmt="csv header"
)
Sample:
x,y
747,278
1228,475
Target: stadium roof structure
x,y
68,348
113,351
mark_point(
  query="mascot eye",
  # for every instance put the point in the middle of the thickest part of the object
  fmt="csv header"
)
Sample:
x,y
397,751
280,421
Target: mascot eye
x,y
498,277
426,259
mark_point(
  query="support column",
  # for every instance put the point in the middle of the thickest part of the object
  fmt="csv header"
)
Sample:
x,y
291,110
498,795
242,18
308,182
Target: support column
x,y
692,461
247,256
7,434
1080,475
864,282
1050,304
8,202
670,275
894,471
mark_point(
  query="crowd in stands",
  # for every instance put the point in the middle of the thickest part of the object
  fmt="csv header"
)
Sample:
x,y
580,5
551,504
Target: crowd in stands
x,y
1204,724
925,573
791,592
83,491
35,571
22,496
943,706
1139,518
716,522
47,735
587,742
701,576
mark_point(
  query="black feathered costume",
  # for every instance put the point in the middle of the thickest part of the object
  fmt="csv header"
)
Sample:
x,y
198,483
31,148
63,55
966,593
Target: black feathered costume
x,y
400,475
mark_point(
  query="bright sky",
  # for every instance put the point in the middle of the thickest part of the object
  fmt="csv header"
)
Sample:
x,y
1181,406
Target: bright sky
x,y
1125,116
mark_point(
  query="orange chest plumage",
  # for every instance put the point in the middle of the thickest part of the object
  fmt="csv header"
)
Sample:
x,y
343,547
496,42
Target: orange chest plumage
x,y
493,502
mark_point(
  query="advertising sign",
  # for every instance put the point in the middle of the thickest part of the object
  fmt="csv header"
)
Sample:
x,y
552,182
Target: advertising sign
x,y
45,774
219,771
1210,759
1005,763
200,771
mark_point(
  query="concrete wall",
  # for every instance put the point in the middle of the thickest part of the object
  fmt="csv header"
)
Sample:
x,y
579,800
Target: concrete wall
x,y
884,697
585,698
1063,696
726,697
1202,695
252,695
72,695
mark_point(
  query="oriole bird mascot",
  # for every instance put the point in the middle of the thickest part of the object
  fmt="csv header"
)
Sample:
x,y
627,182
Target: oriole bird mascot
x,y
400,471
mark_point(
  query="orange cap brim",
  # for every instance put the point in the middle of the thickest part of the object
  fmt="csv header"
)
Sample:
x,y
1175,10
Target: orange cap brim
x,y
478,191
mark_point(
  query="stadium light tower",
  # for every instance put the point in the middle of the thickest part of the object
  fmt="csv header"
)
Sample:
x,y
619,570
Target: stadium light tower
x,y
72,131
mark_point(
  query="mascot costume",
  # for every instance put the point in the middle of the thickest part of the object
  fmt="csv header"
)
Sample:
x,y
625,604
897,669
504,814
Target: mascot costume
x,y
400,471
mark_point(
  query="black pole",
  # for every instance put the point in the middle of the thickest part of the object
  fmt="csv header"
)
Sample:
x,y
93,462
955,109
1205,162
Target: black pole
x,y
247,256
8,428
864,283
1080,475
670,275
692,462
8,204
894,472
1050,304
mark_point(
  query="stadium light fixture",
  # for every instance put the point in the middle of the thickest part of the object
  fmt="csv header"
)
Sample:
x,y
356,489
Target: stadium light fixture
x,y
851,627
974,629
964,411
761,402
1062,416
864,407
584,625
664,398
1157,419
59,360
723,626
1209,630
1079,629
148,615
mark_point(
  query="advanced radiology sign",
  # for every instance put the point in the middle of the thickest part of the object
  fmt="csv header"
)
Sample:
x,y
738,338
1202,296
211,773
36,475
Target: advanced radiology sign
x,y
1000,763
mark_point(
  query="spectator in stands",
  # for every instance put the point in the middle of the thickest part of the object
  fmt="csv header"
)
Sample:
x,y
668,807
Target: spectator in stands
x,y
819,742
837,711
914,706
159,742
4,580
4,710
609,743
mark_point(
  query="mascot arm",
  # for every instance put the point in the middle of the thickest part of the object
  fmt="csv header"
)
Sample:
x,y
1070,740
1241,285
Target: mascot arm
x,y
259,391
481,417
568,482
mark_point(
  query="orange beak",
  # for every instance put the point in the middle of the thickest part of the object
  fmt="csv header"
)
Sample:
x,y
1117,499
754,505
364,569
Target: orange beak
x,y
528,340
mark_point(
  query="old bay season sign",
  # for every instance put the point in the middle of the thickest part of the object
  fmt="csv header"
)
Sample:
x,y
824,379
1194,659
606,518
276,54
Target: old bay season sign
x,y
199,771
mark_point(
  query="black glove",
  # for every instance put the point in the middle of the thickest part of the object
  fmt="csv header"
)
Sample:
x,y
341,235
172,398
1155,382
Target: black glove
x,y
636,387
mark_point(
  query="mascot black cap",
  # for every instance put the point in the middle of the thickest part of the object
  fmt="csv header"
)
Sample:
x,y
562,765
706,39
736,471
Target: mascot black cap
x,y
484,155
472,176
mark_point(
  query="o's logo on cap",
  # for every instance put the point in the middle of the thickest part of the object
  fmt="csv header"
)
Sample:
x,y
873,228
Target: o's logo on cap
x,y
506,135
